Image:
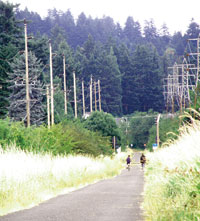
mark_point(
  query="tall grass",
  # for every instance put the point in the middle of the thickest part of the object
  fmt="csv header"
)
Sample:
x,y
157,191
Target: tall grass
x,y
27,179
172,189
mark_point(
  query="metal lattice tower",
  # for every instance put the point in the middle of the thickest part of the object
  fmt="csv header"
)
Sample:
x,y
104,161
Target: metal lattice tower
x,y
197,68
178,84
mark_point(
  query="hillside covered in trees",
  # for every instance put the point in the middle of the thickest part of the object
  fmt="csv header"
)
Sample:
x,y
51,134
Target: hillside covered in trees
x,y
129,61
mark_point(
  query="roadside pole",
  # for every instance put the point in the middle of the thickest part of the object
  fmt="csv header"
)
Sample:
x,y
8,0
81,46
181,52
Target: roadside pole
x,y
114,143
157,129
27,76
75,101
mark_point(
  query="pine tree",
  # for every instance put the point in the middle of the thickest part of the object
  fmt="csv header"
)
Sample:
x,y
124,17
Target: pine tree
x,y
87,65
17,109
125,66
63,50
132,33
57,36
110,77
36,23
9,35
68,24
81,29
147,85
178,44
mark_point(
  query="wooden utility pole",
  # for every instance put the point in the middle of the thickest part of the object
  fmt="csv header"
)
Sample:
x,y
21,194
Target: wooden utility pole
x,y
95,96
65,85
83,96
91,95
51,83
75,102
99,90
157,129
27,76
48,107
114,143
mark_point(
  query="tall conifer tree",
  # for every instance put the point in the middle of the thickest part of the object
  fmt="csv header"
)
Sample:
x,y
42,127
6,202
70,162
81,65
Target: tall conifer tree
x,y
9,35
17,109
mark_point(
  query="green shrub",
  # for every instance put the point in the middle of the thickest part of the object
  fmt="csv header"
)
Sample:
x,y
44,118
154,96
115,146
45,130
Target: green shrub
x,y
103,123
63,138
87,142
168,130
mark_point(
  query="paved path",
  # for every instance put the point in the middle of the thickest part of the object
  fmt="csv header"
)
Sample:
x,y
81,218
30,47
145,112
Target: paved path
x,y
116,199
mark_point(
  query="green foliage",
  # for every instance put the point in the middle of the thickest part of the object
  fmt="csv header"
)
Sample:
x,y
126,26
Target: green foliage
x,y
172,190
110,77
17,99
168,130
140,124
9,38
100,62
103,123
195,101
129,65
178,197
59,114
88,142
63,138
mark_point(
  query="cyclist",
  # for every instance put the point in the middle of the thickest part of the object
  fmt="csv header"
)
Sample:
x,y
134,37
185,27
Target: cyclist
x,y
128,162
142,160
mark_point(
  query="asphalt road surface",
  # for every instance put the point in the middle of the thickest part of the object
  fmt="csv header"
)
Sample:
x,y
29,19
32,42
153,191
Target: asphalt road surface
x,y
116,199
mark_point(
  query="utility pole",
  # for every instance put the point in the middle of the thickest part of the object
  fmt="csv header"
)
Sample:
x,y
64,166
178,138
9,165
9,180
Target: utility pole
x,y
48,107
171,92
114,143
99,90
27,76
182,90
51,83
187,85
91,95
157,129
75,102
95,96
175,84
65,85
83,96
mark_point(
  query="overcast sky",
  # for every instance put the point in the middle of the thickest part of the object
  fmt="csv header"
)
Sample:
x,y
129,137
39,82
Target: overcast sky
x,y
177,14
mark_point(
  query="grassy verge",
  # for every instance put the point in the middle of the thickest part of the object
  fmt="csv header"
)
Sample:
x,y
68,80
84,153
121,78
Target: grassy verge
x,y
172,189
27,179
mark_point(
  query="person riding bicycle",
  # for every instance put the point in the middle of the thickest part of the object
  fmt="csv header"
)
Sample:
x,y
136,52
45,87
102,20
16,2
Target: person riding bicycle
x,y
142,160
128,161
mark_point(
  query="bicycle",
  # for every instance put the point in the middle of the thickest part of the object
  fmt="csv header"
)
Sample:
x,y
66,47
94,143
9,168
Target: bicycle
x,y
128,166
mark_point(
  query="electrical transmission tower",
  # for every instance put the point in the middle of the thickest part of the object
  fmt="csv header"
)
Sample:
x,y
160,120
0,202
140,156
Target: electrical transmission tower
x,y
196,56
177,87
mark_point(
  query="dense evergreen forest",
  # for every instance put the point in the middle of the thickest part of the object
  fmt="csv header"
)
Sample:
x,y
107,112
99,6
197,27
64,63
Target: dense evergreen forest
x,y
129,61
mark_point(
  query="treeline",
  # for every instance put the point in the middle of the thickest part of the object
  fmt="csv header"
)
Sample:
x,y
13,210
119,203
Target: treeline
x,y
129,62
76,32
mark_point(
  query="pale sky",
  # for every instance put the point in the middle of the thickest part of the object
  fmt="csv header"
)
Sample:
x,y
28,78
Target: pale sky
x,y
177,14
